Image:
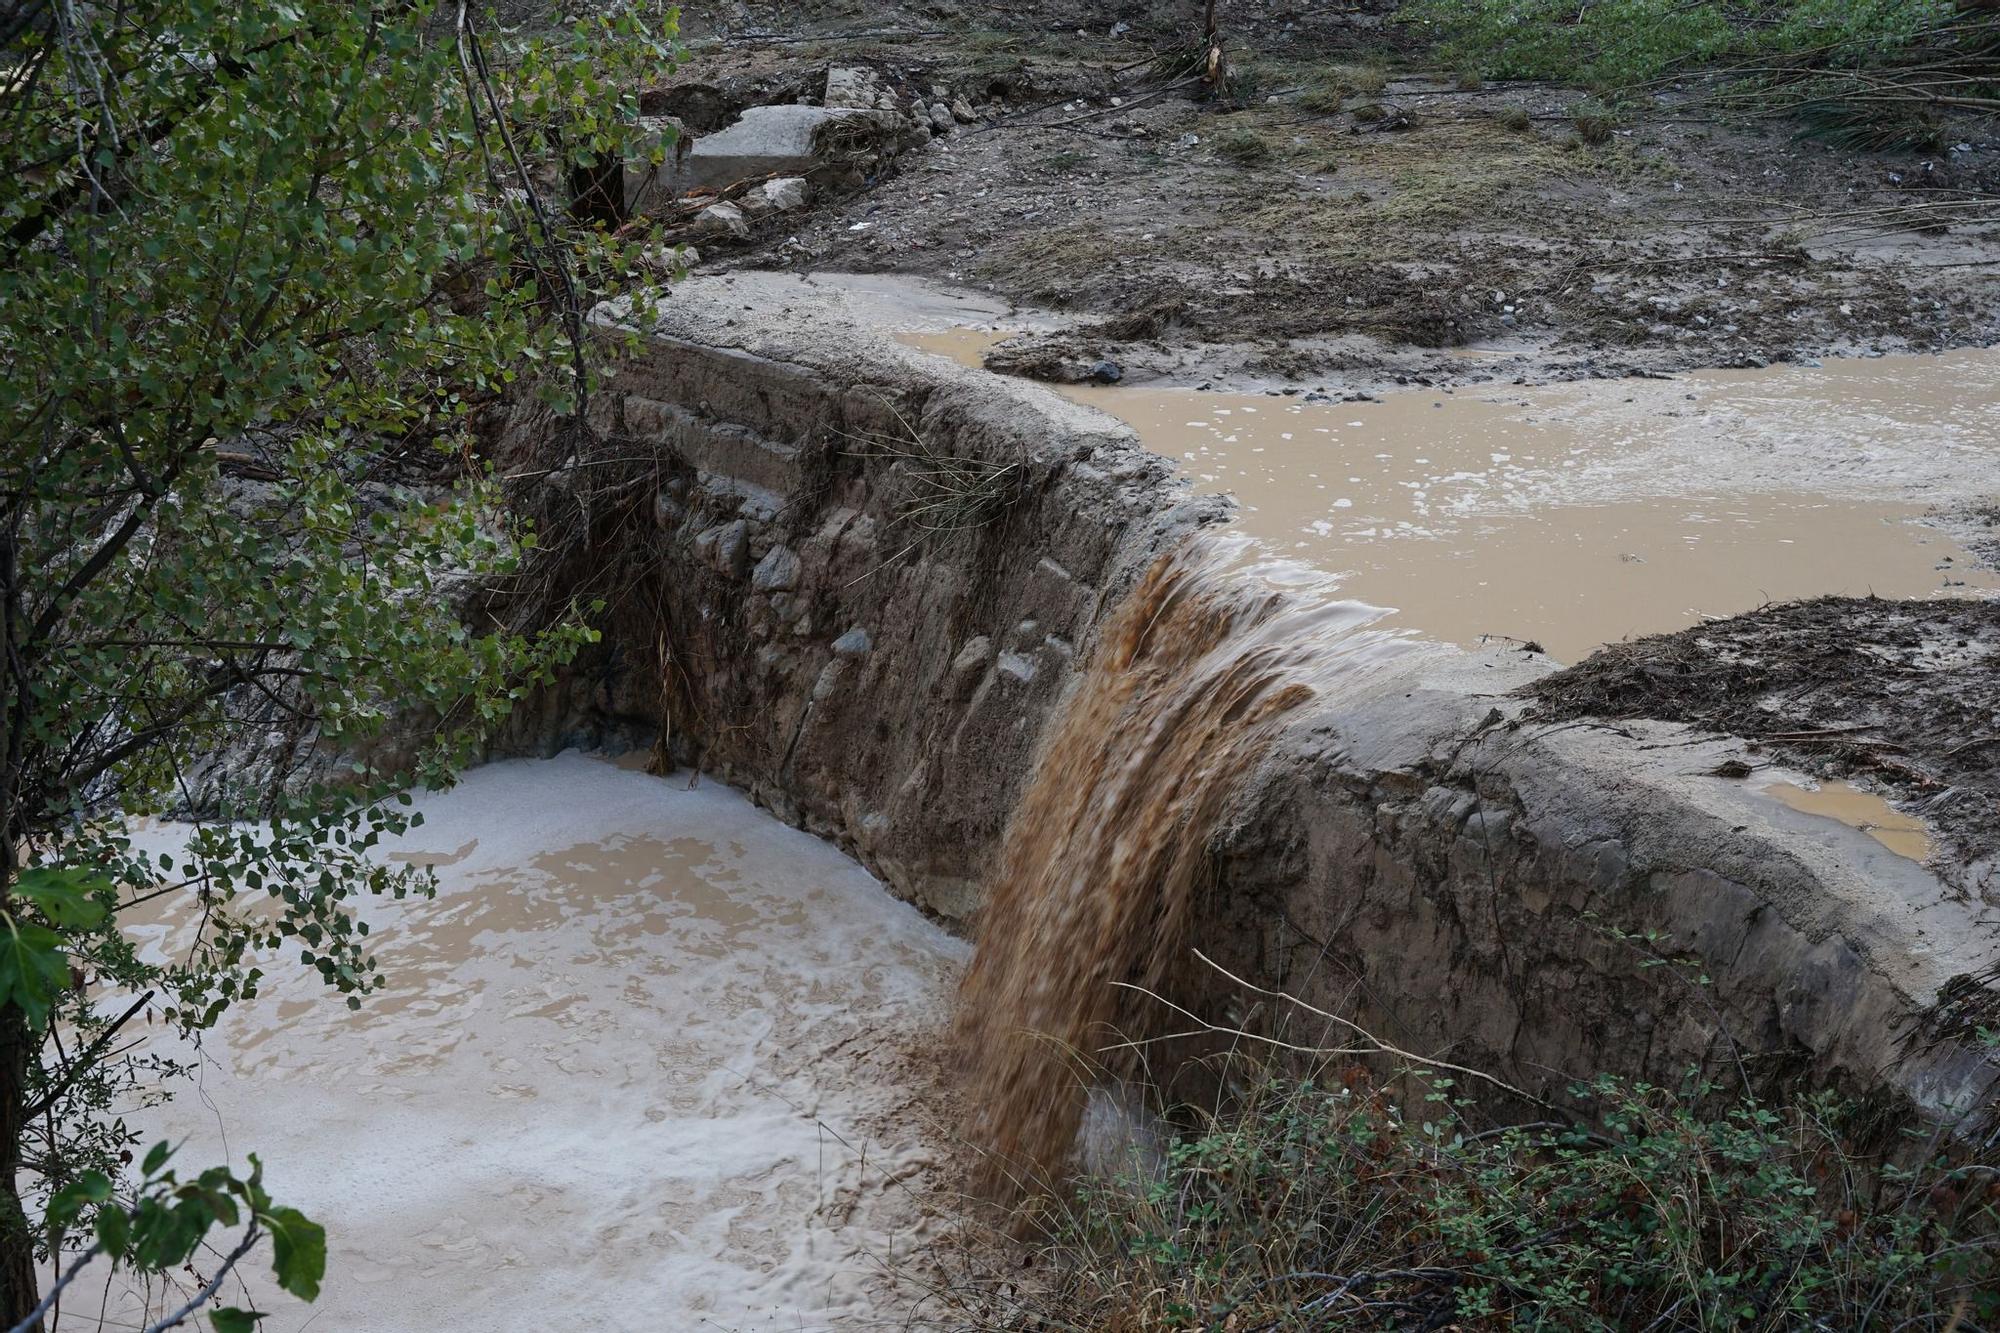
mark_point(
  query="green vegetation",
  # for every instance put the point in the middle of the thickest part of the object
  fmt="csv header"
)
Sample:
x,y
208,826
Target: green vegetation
x,y
1323,1204
1620,43
1859,70
260,262
1594,122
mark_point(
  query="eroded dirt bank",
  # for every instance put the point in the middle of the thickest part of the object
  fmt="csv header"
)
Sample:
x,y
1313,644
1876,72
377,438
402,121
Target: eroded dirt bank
x,y
859,581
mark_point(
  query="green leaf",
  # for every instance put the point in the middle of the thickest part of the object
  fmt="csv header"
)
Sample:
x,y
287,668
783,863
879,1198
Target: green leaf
x,y
230,1319
63,895
88,1188
114,1231
156,1157
34,970
298,1247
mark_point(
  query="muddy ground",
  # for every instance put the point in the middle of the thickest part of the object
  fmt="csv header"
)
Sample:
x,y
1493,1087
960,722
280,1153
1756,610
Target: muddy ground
x,y
1356,217
1902,694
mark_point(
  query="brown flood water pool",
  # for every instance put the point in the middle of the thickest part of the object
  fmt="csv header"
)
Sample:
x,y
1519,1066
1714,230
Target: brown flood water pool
x,y
1576,515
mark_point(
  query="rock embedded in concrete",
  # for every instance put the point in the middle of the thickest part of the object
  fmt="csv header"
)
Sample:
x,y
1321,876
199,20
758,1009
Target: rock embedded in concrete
x,y
725,548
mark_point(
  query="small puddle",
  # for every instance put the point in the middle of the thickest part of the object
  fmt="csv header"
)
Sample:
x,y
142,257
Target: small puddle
x,y
1905,835
1575,515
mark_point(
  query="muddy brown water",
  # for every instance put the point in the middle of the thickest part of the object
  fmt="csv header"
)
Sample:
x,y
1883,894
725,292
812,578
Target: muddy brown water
x,y
638,1067
1904,834
1580,514
1103,860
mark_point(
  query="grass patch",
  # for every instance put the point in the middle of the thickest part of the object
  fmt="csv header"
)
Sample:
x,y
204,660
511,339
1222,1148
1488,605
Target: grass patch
x,y
1363,80
1065,162
1323,96
1244,147
1594,123
1443,175
1515,119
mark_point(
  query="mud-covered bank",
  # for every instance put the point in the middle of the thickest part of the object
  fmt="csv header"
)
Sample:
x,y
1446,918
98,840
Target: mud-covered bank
x,y
868,578
1362,217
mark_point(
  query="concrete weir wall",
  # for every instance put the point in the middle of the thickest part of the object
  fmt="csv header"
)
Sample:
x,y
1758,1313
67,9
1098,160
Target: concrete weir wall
x,y
869,577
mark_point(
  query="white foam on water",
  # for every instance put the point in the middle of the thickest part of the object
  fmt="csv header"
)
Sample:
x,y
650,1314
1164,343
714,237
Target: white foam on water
x,y
623,1077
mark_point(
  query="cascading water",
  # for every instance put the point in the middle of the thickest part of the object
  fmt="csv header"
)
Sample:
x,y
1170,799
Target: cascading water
x,y
1104,862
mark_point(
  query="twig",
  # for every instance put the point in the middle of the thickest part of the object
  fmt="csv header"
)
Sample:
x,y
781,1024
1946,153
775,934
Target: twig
x,y
34,1318
213,1285
83,1060
1376,1047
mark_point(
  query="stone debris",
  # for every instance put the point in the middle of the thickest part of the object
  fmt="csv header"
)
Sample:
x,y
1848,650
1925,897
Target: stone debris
x,y
778,571
782,195
857,88
854,643
721,219
941,118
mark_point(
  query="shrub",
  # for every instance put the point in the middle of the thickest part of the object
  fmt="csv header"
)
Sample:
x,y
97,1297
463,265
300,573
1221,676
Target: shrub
x,y
1619,43
1515,118
1320,1204
1869,67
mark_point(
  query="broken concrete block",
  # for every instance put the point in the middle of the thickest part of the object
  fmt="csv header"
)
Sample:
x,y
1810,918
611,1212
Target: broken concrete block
x,y
783,141
777,196
724,219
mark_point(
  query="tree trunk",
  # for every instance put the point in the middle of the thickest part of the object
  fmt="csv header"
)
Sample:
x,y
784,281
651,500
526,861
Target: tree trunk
x,y
17,1238
1213,69
18,1280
